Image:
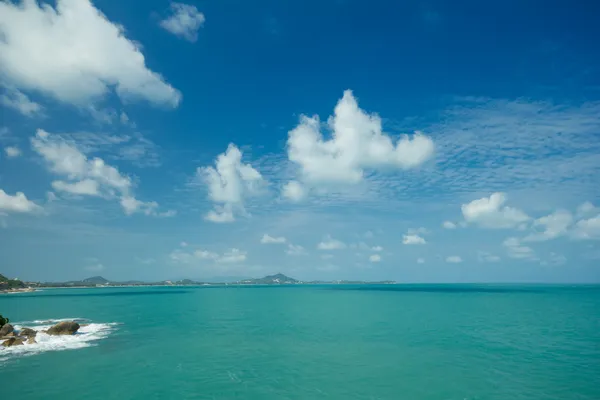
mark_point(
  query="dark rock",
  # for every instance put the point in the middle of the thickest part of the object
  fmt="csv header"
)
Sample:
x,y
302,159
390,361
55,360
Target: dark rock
x,y
6,329
28,332
31,340
64,328
14,341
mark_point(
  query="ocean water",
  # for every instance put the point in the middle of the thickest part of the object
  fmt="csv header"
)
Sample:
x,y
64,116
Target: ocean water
x,y
418,342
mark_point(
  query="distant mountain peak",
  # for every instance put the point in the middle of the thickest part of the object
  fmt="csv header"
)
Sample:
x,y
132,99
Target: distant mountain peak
x,y
96,280
277,279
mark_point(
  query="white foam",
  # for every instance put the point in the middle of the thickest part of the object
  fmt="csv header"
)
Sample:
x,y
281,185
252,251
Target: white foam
x,y
85,337
49,321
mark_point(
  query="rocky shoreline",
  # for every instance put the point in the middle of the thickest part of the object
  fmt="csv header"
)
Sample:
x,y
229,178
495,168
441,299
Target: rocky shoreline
x,y
26,336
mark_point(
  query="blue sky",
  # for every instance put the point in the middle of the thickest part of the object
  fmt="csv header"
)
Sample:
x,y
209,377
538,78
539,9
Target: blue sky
x,y
414,141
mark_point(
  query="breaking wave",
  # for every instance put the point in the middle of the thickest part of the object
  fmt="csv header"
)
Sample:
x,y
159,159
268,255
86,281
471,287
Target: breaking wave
x,y
87,334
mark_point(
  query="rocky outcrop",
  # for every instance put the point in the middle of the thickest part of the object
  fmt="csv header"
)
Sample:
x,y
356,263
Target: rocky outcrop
x,y
31,340
6,329
64,328
27,332
14,341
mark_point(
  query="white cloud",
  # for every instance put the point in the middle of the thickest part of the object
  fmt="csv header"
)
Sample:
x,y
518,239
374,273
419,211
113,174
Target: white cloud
x,y
231,256
266,239
489,213
86,187
487,257
17,203
420,260
185,21
229,184
357,143
553,225
454,259
587,228
449,225
295,250
294,191
51,196
516,250
91,177
131,205
374,258
586,209
12,152
17,100
220,215
377,248
75,54
330,243
413,239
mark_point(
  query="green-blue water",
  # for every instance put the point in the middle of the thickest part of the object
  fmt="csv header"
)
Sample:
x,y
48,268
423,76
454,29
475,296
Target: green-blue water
x,y
316,342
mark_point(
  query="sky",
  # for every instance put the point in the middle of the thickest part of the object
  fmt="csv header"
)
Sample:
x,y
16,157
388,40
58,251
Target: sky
x,y
335,139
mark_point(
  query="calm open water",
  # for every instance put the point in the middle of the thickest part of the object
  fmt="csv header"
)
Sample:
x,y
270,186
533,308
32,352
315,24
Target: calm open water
x,y
421,342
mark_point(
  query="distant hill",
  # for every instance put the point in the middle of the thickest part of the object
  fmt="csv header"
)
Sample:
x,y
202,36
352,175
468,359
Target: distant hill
x,y
6,283
96,280
277,279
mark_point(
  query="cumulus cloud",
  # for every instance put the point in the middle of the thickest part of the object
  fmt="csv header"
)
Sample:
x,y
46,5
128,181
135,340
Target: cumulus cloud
x,y
586,209
17,100
587,228
413,239
374,258
88,187
185,21
17,203
294,191
267,239
131,205
488,212
295,250
516,250
12,152
87,177
454,259
357,143
75,54
552,226
330,243
449,225
377,248
231,256
229,183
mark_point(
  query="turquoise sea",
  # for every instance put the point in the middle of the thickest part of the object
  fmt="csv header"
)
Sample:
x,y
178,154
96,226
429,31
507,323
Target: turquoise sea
x,y
421,342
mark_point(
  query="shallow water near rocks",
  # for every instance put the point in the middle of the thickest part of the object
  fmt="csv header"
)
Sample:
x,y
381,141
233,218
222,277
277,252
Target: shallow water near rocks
x,y
306,342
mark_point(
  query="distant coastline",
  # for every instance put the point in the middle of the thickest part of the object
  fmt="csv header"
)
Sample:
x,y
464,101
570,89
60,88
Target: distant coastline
x,y
17,286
